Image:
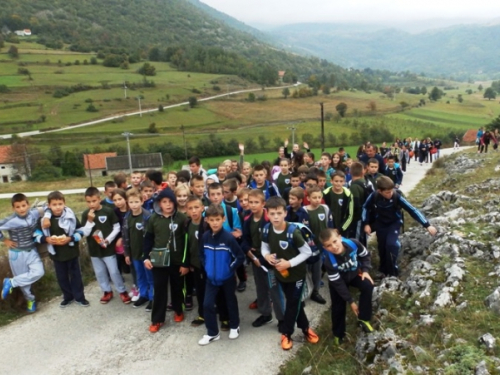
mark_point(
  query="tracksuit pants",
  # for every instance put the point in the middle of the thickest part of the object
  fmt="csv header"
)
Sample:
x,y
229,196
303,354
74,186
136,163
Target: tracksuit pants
x,y
161,277
294,311
228,289
69,278
144,279
268,298
27,268
107,267
388,249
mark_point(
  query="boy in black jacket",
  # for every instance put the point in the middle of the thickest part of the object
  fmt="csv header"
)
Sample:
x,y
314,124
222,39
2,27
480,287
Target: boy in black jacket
x,y
347,263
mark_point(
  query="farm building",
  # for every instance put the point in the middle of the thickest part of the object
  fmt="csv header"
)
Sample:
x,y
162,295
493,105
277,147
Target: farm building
x,y
10,161
141,162
95,164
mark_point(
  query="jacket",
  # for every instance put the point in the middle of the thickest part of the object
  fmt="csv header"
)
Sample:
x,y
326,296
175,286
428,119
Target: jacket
x,y
270,189
246,243
125,230
347,211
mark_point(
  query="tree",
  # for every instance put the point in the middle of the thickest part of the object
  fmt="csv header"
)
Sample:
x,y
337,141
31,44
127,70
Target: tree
x,y
263,141
193,101
423,90
160,108
435,94
460,98
404,105
326,90
152,128
13,52
341,109
286,92
147,69
480,87
489,93
71,166
2,43
251,97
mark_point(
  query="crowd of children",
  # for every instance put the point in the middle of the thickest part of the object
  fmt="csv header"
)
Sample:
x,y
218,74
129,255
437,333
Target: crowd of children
x,y
197,231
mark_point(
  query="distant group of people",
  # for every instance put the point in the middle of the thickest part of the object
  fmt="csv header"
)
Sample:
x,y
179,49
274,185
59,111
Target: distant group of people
x,y
485,138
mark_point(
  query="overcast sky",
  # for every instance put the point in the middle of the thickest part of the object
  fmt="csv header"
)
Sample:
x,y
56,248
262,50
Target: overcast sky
x,y
292,11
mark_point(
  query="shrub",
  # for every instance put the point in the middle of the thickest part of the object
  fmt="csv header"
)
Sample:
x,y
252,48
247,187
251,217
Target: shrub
x,y
92,108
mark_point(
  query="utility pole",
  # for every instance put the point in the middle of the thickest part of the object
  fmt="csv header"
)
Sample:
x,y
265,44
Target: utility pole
x,y
322,129
27,162
292,128
140,109
127,135
184,140
125,89
89,169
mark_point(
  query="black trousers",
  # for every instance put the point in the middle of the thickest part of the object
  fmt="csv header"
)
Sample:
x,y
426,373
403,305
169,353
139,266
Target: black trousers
x,y
294,310
161,277
339,305
388,249
69,278
241,272
200,279
212,292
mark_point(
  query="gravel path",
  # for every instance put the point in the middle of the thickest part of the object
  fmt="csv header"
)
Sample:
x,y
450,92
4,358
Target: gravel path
x,y
114,338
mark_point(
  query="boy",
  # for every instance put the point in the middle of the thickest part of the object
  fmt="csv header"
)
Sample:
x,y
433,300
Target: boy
x,y
221,172
347,263
339,199
64,251
197,186
244,209
147,190
195,167
309,159
109,187
103,220
156,178
24,261
259,181
294,182
372,171
294,211
135,180
325,163
165,230
319,218
360,191
120,180
344,156
172,179
283,178
394,172
229,188
322,183
289,262
382,214
303,171
134,223
220,255
252,228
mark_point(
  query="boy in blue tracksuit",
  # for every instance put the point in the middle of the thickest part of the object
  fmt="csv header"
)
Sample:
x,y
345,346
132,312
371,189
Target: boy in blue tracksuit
x,y
393,171
220,255
382,214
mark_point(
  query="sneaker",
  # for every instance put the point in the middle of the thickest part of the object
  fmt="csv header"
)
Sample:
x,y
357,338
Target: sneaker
x,y
169,307
31,306
253,305
311,336
286,342
155,327
133,291
135,298
261,320
83,303
234,333
125,298
106,297
242,286
365,326
337,341
178,318
65,303
206,339
141,301
6,288
149,306
189,303
224,325
198,322
316,297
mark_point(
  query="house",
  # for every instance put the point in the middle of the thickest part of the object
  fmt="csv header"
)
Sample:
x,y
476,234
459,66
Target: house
x,y
95,164
9,163
141,162
25,32
281,74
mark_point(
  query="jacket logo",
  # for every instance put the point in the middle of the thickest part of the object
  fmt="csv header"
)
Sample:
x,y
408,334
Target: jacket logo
x,y
340,202
139,226
287,181
173,227
196,235
102,219
284,245
321,217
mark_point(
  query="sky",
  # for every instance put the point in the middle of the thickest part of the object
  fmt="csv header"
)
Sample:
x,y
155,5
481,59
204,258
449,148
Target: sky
x,y
278,12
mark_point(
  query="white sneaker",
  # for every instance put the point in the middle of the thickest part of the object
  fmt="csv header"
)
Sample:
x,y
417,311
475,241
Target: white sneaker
x,y
234,333
135,298
206,339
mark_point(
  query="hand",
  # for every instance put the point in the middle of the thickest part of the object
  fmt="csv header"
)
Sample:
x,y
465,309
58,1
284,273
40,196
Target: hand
x,y
282,265
285,143
236,233
119,242
306,146
148,264
241,147
354,308
366,275
91,216
271,259
10,244
45,223
127,260
50,240
432,230
368,230
183,270
66,240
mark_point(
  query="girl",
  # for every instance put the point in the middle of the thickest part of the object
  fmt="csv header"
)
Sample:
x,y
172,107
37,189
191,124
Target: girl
x,y
182,194
337,165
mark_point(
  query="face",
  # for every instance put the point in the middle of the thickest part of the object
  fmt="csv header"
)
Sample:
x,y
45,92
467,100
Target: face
x,y
387,194
334,245
167,206
172,179
336,158
372,168
244,202
338,183
259,177
315,198
244,181
342,153
228,167
321,182
295,147
194,168
93,202
228,194
215,196
370,151
325,161
284,167
307,159
57,206
119,201
348,163
148,192
198,188
194,210
277,216
21,208
216,222
182,196
302,176
311,183
234,166
281,152
294,201
221,172
109,192
295,181
256,204
390,163
246,170
134,203
135,179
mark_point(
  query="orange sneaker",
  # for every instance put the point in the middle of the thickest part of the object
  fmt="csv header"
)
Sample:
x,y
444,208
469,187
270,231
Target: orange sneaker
x,y
178,318
106,297
155,327
125,298
286,342
253,305
311,336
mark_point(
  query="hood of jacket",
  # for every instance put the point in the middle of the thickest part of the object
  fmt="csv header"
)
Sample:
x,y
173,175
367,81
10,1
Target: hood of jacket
x,y
166,193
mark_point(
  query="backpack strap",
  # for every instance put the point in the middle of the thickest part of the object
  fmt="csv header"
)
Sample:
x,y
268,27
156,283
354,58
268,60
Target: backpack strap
x,y
265,233
229,216
349,243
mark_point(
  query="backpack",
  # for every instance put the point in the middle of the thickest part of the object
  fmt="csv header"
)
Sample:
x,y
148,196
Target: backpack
x,y
367,188
346,242
396,195
306,234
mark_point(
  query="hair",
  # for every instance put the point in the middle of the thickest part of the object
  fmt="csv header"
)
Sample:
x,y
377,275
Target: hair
x,y
181,187
372,161
297,192
341,149
247,164
120,179
214,210
221,165
109,185
231,183
285,160
196,178
122,193
327,233
19,197
92,192
338,174
214,186
193,198
384,183
194,160
55,196
147,184
134,193
136,172
298,159
183,175
235,176
313,170
320,174
295,174
172,172
258,168
257,193
327,154
275,202
314,189
357,169
154,176
339,165
303,169
391,157
311,176
243,191
311,155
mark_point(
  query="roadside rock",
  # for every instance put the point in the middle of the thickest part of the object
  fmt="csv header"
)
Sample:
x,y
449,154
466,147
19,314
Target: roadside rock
x,y
493,301
488,341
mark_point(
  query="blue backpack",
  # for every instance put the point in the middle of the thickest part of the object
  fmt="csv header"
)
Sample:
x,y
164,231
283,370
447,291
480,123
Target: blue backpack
x,y
306,234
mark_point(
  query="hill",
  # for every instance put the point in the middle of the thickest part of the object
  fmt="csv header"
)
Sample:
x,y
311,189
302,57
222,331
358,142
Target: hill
x,y
461,51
